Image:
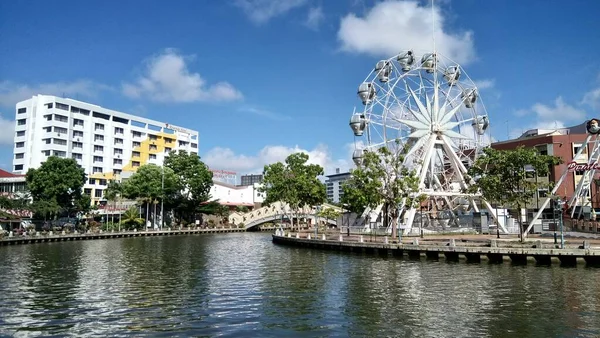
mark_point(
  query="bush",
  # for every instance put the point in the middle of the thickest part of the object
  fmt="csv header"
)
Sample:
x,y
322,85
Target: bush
x,y
241,225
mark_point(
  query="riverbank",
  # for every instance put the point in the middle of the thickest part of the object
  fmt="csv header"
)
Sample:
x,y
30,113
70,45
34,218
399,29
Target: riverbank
x,y
472,248
50,237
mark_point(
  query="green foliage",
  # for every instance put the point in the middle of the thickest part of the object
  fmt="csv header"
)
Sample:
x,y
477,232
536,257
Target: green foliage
x,y
58,180
295,183
500,175
242,209
113,190
329,213
131,219
382,179
146,184
194,181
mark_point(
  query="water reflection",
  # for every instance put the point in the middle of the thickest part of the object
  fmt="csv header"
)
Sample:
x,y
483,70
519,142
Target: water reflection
x,y
243,285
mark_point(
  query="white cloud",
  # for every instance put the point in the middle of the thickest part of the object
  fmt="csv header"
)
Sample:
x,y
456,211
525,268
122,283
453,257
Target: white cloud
x,y
485,84
549,117
265,113
592,98
314,18
261,11
167,79
11,93
227,159
392,26
8,131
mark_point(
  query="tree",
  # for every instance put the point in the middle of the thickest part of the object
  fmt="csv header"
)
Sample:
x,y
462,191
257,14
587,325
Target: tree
x,y
294,183
113,192
329,213
382,179
146,185
131,218
194,181
242,209
57,181
501,175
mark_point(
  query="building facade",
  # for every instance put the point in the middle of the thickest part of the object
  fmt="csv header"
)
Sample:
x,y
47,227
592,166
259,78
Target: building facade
x,y
237,196
563,143
334,185
106,143
251,179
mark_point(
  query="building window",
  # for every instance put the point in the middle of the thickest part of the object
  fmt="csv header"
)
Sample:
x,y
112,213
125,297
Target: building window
x,y
48,117
135,154
77,144
98,193
76,156
77,133
117,171
46,152
97,170
87,191
60,153
168,140
98,159
136,133
92,181
153,156
118,141
21,133
60,130
19,155
99,148
152,147
98,138
182,143
194,145
77,122
60,142
118,151
49,105
135,144
98,126
168,150
21,110
61,118
62,106
118,130
135,164
21,122
117,161
102,181
19,144
47,140
18,167
152,137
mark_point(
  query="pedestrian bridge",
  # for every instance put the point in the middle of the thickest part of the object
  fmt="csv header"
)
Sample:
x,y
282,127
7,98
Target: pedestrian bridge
x,y
276,211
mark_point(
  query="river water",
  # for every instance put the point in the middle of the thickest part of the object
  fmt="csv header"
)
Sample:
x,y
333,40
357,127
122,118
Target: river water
x,y
243,285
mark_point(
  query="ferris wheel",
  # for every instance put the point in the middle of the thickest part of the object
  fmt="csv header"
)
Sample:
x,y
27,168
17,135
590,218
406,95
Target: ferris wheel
x,y
427,105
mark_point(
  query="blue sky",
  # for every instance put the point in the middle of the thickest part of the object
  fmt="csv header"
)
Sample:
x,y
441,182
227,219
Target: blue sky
x,y
260,79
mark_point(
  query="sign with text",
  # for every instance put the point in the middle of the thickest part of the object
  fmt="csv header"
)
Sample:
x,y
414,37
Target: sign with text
x,y
574,166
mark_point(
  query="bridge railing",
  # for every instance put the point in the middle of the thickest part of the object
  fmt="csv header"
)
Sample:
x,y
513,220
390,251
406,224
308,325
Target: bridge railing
x,y
272,210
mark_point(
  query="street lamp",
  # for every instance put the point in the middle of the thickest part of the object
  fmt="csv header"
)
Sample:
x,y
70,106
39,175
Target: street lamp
x,y
162,194
559,206
421,226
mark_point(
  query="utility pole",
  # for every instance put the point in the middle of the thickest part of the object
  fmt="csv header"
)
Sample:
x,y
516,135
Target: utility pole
x,y
162,195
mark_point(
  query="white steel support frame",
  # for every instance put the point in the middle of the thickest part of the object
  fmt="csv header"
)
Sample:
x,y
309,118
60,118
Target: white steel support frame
x,y
433,108
583,186
580,187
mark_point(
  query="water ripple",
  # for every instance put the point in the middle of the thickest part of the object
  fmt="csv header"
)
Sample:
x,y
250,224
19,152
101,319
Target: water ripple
x,y
238,285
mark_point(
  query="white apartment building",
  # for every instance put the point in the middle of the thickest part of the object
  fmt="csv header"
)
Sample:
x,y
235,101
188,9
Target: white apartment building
x,y
106,143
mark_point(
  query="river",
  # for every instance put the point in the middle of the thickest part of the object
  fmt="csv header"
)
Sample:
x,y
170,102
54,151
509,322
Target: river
x,y
242,285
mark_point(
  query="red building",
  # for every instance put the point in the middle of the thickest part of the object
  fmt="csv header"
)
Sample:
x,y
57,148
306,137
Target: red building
x,y
563,143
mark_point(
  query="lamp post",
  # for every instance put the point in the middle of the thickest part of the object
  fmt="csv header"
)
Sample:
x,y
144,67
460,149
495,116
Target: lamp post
x,y
559,205
162,195
421,226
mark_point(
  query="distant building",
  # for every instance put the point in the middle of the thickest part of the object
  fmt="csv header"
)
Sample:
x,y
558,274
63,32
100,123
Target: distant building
x,y
11,183
106,143
237,196
563,143
251,179
334,185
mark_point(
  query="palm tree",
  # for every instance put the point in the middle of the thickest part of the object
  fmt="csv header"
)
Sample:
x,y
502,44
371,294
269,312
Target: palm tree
x,y
131,218
112,193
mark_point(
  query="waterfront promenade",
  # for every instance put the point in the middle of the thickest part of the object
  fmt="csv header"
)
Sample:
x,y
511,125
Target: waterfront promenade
x,y
63,237
472,248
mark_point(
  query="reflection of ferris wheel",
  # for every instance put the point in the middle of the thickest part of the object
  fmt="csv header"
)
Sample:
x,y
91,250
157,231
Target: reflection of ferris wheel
x,y
427,105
